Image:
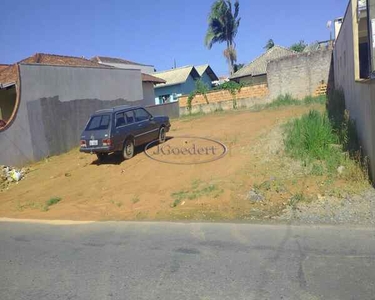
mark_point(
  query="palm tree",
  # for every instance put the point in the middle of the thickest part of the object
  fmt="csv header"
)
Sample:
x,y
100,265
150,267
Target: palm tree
x,y
270,44
223,23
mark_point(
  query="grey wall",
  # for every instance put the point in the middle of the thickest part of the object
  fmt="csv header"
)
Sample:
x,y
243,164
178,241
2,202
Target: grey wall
x,y
299,75
148,93
62,122
144,69
359,94
71,83
55,103
171,110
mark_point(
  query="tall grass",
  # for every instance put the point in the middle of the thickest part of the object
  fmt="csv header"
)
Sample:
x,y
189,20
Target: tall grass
x,y
314,140
310,137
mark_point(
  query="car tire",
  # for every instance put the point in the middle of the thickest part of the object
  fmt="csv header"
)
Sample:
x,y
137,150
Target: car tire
x,y
128,151
101,156
162,135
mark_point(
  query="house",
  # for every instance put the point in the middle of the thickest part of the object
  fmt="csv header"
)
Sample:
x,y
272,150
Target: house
x,y
207,75
181,81
354,71
148,80
256,71
45,101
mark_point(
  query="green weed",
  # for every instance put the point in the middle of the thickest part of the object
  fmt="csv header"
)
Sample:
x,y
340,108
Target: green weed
x,y
51,202
198,189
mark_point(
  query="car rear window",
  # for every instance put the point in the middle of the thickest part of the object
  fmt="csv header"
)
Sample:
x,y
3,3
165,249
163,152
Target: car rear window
x,y
98,123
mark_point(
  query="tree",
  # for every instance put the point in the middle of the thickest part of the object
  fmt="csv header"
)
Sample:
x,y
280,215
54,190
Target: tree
x,y
237,67
298,47
223,23
270,44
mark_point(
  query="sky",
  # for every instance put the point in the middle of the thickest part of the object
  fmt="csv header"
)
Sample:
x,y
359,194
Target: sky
x,y
155,32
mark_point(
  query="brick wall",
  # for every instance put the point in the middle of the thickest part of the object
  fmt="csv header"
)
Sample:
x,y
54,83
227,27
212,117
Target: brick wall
x,y
300,75
247,92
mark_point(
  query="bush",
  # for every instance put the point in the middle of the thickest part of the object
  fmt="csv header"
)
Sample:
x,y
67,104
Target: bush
x,y
311,137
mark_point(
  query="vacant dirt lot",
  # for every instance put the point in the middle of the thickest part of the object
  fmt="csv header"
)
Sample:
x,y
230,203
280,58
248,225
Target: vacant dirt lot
x,y
144,189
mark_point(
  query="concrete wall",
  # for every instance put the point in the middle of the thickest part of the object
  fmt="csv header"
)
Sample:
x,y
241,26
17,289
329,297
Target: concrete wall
x,y
148,93
172,110
359,94
225,105
62,122
247,92
55,103
7,103
71,83
299,75
144,69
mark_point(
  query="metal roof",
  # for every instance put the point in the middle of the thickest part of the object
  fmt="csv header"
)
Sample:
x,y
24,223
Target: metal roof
x,y
259,65
206,68
176,76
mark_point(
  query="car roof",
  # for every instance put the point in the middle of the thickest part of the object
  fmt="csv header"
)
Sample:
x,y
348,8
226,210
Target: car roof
x,y
116,109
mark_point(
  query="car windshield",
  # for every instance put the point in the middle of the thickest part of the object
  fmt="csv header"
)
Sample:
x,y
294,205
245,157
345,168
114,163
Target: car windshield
x,y
100,122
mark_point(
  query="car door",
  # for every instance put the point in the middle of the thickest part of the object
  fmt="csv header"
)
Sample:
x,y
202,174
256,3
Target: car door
x,y
132,127
119,133
146,126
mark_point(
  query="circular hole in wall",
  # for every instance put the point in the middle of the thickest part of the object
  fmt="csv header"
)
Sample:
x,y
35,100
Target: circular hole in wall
x,y
8,106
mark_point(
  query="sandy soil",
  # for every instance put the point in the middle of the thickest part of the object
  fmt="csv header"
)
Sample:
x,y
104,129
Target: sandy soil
x,y
145,189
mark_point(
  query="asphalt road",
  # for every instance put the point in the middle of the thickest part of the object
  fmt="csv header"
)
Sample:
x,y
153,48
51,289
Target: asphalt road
x,y
185,261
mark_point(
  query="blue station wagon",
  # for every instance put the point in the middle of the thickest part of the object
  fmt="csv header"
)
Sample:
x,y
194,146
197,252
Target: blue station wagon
x,y
121,129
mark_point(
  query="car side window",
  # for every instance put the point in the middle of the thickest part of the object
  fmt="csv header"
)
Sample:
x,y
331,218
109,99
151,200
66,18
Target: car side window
x,y
129,117
141,115
120,120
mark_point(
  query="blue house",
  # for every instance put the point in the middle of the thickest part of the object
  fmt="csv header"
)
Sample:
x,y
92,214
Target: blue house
x,y
181,81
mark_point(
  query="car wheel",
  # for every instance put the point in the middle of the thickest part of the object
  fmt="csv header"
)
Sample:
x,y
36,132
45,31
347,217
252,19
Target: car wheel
x,y
101,156
128,151
162,135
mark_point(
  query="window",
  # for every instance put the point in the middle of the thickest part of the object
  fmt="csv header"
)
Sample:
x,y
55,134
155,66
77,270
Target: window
x,y
364,38
371,34
99,123
120,120
141,115
129,116
164,99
